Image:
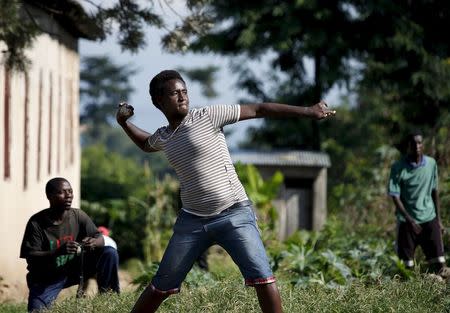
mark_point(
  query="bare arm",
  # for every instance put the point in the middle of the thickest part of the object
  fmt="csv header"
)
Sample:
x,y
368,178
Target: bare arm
x,y
70,247
437,206
401,208
257,110
136,134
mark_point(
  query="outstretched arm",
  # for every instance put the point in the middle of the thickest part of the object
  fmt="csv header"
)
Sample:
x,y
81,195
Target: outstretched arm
x,y
257,110
136,134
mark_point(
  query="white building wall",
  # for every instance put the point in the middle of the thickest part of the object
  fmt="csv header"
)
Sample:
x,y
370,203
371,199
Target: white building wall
x,y
53,84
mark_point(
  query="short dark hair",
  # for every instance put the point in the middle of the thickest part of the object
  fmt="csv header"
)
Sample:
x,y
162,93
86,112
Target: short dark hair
x,y
408,137
156,86
411,134
52,185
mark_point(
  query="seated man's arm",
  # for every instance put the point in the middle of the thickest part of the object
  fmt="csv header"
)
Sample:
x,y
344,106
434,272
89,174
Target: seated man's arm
x,y
92,243
92,239
69,247
33,244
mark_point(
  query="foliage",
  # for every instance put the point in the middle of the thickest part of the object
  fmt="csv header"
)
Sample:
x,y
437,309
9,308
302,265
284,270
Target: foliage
x,y
127,19
406,69
118,215
17,32
162,209
293,36
117,193
108,175
103,85
393,56
261,192
205,77
336,257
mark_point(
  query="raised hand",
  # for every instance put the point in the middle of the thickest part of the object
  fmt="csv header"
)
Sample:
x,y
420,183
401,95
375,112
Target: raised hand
x,y
124,112
320,111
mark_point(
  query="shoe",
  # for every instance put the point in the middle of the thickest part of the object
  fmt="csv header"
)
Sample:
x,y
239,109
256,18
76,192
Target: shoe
x,y
444,272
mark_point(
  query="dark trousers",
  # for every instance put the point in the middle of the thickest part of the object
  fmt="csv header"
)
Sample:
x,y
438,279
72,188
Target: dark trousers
x,y
430,240
103,264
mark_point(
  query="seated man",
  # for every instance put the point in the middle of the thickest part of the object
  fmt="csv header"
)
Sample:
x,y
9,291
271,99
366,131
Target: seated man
x,y
62,246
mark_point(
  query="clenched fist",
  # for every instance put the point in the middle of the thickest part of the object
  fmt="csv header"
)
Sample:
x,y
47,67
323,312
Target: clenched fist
x,y
124,112
320,111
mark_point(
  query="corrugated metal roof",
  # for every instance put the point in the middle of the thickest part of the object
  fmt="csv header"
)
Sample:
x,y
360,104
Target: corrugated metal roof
x,y
281,158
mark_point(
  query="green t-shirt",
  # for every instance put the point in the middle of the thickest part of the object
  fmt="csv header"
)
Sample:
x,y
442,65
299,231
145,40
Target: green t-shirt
x,y
413,183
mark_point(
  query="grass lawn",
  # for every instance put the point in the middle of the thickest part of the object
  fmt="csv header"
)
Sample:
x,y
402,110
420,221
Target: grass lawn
x,y
226,293
418,295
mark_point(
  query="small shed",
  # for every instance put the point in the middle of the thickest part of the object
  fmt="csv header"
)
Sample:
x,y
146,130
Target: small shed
x,y
302,200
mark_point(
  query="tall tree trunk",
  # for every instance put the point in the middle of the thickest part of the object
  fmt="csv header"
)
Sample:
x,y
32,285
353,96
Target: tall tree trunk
x,y
317,95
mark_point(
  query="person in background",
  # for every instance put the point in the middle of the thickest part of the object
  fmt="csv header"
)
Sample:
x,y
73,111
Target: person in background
x,y
61,244
413,187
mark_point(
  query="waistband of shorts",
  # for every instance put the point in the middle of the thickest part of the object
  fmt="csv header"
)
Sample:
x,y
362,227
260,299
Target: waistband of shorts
x,y
238,205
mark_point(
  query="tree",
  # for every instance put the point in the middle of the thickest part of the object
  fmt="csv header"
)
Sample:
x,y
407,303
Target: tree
x,y
18,27
392,54
103,85
292,33
17,33
407,69
205,77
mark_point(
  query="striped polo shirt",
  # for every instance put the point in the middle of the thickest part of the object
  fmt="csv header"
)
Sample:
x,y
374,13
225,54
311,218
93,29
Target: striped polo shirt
x,y
198,152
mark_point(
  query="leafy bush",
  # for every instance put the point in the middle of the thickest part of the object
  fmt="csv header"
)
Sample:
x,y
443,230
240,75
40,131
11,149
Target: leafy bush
x,y
336,258
106,175
138,208
262,192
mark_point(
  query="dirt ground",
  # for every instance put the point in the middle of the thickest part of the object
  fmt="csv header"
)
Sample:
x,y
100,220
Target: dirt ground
x,y
18,292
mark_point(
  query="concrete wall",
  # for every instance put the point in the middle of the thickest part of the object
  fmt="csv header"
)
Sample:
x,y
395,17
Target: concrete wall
x,y
39,138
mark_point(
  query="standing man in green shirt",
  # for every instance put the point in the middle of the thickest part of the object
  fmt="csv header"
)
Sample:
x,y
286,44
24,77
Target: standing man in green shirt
x,y
413,186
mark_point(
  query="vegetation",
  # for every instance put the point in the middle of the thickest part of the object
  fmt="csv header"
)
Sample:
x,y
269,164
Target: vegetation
x,y
392,60
420,295
103,85
117,192
388,73
19,28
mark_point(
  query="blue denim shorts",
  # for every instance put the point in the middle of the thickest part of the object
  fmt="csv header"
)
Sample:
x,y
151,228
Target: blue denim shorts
x,y
234,229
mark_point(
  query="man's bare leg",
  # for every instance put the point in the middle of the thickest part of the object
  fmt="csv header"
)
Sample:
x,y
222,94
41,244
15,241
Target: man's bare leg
x,y
269,298
149,301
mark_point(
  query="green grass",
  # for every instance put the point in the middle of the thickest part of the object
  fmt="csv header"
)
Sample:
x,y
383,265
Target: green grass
x,y
229,295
